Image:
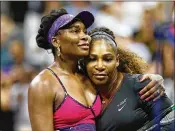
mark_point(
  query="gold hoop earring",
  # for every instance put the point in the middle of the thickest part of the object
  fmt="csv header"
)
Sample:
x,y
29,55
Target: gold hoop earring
x,y
58,51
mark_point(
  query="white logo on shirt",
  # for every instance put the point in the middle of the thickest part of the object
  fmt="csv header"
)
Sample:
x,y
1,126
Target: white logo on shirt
x,y
122,104
119,109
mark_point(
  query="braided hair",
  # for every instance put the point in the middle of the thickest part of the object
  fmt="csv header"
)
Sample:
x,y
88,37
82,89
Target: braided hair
x,y
46,23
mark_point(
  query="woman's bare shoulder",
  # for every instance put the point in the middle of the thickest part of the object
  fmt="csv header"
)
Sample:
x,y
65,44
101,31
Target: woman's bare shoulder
x,y
42,83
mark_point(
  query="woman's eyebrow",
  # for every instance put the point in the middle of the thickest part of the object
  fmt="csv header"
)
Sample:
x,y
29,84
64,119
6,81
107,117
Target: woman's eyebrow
x,y
74,26
108,54
92,55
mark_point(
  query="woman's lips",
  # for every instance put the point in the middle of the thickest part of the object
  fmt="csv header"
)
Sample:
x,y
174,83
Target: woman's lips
x,y
100,75
84,46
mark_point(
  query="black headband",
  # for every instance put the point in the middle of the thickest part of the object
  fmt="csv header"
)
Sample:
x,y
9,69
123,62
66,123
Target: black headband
x,y
102,33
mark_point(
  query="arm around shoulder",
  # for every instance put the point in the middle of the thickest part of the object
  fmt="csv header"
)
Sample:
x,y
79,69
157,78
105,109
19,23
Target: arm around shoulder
x,y
156,110
40,104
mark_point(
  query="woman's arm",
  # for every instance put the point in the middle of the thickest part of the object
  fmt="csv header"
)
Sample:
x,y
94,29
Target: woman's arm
x,y
40,105
154,89
156,110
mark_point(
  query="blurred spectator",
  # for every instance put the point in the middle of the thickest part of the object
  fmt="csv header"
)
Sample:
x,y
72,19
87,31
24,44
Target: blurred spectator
x,y
5,7
14,99
167,31
7,115
146,32
35,6
50,5
77,6
110,17
9,32
35,56
139,48
21,59
14,88
18,10
168,70
17,51
164,36
19,100
131,14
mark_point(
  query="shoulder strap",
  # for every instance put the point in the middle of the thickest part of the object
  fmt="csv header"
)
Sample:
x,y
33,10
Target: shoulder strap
x,y
57,79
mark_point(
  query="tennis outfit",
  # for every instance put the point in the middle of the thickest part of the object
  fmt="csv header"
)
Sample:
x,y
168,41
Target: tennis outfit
x,y
71,115
127,112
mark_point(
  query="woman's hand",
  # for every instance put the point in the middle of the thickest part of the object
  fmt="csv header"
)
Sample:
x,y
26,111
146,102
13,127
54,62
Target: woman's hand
x,y
154,90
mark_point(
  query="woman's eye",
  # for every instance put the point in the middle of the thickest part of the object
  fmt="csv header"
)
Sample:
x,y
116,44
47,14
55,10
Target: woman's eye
x,y
91,59
77,31
108,59
74,30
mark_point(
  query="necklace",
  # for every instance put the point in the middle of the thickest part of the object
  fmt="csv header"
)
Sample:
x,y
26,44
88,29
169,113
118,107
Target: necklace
x,y
111,93
111,87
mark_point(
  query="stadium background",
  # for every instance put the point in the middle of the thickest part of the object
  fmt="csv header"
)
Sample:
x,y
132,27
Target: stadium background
x,y
143,27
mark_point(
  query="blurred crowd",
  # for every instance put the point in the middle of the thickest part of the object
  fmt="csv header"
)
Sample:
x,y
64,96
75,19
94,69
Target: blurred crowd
x,y
146,28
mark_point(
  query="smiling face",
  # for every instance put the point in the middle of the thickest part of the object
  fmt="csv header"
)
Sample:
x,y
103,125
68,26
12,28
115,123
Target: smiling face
x,y
73,41
102,62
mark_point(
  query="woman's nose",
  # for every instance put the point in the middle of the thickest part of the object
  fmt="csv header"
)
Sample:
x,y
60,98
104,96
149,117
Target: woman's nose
x,y
100,66
85,37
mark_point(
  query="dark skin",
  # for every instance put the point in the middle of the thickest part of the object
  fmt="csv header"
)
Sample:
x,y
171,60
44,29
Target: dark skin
x,y
102,66
45,88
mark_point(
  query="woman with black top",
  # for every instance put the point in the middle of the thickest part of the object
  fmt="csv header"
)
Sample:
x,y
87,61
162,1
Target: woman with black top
x,y
116,74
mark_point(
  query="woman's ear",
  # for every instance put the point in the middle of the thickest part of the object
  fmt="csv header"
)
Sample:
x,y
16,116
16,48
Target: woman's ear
x,y
117,60
55,42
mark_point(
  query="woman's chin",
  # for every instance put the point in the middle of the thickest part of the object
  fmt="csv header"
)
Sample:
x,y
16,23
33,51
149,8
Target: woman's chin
x,y
83,52
99,82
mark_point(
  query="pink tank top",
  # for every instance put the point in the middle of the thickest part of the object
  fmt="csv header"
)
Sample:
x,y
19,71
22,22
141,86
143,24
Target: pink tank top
x,y
72,115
